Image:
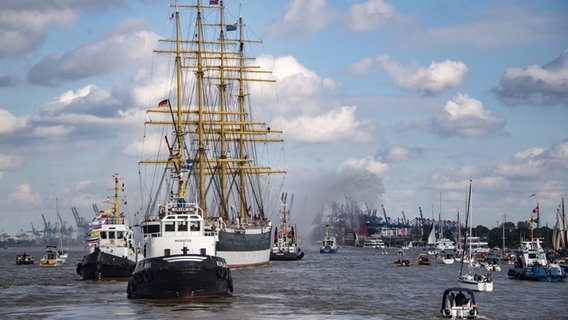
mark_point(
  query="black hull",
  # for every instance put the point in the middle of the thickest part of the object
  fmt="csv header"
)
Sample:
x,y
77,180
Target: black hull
x,y
180,277
230,241
103,266
286,256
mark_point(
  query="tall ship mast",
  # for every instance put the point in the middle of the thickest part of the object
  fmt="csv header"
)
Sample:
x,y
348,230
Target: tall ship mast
x,y
219,147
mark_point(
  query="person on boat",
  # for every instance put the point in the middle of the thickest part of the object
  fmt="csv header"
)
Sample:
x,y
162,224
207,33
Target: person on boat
x,y
451,299
460,299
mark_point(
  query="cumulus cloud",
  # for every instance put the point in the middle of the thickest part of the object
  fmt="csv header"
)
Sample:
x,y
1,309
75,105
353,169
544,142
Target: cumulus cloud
x,y
368,164
299,88
108,55
302,18
335,125
25,23
536,162
399,153
86,100
372,14
24,192
536,85
432,79
9,123
304,112
466,117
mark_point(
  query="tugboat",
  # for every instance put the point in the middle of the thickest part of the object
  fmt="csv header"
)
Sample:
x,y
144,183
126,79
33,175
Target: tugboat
x,y
458,303
181,244
180,259
285,245
329,243
112,255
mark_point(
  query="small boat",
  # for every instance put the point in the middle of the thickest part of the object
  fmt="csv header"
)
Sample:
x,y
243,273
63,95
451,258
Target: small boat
x,y
490,265
446,257
532,264
112,254
402,262
285,246
407,246
374,243
458,303
24,259
329,243
52,257
423,259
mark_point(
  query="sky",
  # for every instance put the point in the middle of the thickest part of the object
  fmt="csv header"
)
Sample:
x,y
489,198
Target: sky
x,y
394,103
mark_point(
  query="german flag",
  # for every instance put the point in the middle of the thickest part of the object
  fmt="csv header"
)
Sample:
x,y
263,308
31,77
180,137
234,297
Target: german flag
x,y
164,103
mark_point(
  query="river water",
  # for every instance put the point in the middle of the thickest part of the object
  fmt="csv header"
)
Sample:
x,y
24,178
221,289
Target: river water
x,y
355,283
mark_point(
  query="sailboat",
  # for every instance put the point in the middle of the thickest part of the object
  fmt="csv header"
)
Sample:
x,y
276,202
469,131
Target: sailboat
x,y
285,246
431,242
559,233
54,256
475,282
112,252
443,244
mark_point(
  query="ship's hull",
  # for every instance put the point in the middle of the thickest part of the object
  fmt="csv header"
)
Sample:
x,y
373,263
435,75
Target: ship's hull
x,y
99,265
250,247
180,277
286,256
281,253
538,273
474,285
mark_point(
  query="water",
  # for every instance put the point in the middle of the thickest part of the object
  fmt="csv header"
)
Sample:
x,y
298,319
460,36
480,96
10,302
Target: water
x,y
355,283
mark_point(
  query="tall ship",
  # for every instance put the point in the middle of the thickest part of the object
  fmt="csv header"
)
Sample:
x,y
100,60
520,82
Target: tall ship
x,y
219,146
285,246
208,191
112,250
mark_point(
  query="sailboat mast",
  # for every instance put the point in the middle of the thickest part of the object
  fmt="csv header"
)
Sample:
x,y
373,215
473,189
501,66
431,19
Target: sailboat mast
x,y
564,231
467,224
241,101
440,233
222,108
504,221
199,77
